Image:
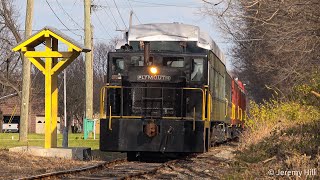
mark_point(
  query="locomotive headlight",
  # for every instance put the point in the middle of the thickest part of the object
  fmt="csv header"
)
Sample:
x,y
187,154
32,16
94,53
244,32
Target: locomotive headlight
x,y
153,70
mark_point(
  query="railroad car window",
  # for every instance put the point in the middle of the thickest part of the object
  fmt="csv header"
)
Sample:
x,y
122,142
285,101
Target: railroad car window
x,y
173,62
197,69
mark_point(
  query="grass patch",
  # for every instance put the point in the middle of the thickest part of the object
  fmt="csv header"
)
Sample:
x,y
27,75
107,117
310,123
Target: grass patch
x,y
8,140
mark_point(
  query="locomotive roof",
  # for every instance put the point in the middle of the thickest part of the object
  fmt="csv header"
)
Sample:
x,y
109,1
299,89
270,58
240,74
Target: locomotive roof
x,y
174,32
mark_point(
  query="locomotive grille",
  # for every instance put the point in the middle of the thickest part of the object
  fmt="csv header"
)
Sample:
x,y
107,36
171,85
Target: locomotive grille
x,y
154,101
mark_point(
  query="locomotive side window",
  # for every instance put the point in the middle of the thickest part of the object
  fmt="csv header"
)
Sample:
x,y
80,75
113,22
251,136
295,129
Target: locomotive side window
x,y
197,69
118,66
173,62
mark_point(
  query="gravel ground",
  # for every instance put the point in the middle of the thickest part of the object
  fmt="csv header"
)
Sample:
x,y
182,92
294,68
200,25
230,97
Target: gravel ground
x,y
214,164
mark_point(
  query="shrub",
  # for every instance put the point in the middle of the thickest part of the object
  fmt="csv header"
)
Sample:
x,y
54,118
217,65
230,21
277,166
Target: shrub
x,y
273,116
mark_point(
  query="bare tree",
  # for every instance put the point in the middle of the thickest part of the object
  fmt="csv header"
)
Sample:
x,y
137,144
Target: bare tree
x,y
10,64
277,44
100,64
101,51
75,90
76,82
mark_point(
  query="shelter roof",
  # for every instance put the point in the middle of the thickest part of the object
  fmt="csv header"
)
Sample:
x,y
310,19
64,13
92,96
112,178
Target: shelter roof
x,y
39,37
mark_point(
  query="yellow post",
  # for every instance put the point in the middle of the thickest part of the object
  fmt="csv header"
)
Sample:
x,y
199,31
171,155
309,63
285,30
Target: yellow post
x,y
48,96
54,79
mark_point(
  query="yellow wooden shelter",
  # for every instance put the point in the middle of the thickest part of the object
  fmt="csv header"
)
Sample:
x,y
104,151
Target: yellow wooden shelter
x,y
50,62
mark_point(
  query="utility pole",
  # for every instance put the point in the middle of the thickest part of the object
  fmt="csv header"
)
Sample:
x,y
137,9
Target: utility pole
x,y
25,97
65,142
88,59
130,19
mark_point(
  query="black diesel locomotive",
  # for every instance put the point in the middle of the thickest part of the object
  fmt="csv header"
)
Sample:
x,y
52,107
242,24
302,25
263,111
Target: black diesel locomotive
x,y
166,92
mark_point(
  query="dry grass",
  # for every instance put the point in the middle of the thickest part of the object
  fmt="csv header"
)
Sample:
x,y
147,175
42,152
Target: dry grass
x,y
273,117
18,165
282,137
252,137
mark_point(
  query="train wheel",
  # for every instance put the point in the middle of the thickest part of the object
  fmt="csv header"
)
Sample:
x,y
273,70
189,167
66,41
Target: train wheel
x,y
132,156
213,136
207,139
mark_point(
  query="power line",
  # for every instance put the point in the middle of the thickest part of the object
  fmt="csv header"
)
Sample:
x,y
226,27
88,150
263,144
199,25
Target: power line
x,y
134,12
161,4
75,1
61,21
153,6
68,14
56,28
137,17
214,4
115,21
120,14
102,24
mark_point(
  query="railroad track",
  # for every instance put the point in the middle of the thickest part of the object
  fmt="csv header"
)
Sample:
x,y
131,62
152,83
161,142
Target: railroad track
x,y
60,174
117,169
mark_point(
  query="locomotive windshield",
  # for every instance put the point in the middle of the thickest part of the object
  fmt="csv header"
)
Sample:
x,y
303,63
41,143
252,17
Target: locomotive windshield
x,y
173,62
118,66
122,63
197,69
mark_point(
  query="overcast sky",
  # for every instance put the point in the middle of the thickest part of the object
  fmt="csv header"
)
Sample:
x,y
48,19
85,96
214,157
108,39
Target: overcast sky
x,y
106,18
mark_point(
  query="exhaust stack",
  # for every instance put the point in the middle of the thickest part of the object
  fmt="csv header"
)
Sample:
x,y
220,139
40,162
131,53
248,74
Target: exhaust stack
x,y
146,53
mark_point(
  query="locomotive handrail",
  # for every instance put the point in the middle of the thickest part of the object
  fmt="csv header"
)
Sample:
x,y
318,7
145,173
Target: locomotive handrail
x,y
102,97
110,119
226,111
239,112
233,111
203,99
209,101
103,92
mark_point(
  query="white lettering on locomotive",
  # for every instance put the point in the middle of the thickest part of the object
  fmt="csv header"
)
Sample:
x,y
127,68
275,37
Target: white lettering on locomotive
x,y
156,77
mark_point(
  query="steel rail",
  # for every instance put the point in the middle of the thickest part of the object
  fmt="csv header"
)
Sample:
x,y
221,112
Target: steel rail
x,y
73,171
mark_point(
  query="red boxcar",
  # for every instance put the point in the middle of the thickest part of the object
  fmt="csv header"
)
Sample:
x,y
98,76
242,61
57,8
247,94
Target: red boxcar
x,y
238,114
